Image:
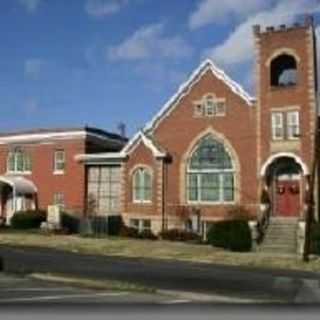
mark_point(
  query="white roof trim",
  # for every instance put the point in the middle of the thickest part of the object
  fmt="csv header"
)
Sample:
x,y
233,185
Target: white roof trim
x,y
186,86
20,185
100,156
140,136
52,135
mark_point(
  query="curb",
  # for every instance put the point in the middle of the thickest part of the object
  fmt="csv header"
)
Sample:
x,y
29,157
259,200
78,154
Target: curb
x,y
214,298
88,283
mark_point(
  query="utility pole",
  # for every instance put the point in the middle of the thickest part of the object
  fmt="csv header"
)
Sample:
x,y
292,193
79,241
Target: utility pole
x,y
310,201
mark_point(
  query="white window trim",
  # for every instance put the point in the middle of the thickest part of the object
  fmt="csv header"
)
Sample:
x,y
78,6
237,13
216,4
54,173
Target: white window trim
x,y
16,171
56,161
204,103
134,199
289,125
206,202
19,173
140,228
275,126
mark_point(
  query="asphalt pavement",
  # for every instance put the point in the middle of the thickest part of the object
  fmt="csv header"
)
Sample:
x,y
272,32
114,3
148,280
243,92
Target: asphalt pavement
x,y
227,283
24,290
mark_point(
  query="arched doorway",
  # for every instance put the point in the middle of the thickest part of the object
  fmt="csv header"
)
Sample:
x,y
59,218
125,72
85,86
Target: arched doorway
x,y
284,179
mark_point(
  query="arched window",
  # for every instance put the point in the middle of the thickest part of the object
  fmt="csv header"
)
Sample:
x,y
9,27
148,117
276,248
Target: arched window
x,y
142,185
283,71
210,173
18,161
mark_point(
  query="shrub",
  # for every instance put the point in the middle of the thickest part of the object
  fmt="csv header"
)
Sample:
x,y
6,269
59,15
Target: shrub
x,y
70,223
98,225
147,234
179,235
115,224
315,238
30,219
234,235
129,232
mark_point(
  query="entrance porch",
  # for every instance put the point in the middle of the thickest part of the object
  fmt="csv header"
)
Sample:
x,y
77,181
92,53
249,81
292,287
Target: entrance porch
x,y
285,185
16,194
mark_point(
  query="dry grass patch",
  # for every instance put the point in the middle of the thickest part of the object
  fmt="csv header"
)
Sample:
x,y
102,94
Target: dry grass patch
x,y
156,249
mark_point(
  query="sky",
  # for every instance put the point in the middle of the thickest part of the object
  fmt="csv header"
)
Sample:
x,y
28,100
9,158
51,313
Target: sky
x,y
70,63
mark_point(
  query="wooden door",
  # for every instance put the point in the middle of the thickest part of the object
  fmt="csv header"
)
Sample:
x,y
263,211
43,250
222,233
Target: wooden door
x,y
287,198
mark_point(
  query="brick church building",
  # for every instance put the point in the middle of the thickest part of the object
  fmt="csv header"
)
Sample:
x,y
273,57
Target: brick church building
x,y
213,147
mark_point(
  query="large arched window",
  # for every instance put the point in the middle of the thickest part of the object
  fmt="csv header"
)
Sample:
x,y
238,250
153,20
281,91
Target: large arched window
x,y
142,185
210,173
283,71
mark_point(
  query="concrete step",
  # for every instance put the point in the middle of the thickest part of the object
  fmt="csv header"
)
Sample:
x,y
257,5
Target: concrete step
x,y
280,236
278,240
278,249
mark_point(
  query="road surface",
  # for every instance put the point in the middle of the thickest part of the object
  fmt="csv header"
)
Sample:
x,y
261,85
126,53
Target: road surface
x,y
233,283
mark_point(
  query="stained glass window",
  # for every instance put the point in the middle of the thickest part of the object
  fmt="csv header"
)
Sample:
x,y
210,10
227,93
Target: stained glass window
x,y
210,174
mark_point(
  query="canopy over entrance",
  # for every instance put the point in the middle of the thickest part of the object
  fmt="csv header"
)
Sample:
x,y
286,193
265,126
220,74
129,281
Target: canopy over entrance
x,y
16,193
20,185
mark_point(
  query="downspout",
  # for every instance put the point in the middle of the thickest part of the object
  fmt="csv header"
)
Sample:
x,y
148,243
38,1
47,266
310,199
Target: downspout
x,y
163,190
310,196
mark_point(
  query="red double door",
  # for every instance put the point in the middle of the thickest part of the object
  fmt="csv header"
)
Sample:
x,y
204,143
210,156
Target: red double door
x,y
287,198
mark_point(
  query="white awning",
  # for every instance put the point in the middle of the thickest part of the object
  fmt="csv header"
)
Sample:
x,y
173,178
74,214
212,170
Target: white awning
x,y
20,185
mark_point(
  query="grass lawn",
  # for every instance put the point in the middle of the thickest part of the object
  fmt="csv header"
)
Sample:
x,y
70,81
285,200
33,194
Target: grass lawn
x,y
155,249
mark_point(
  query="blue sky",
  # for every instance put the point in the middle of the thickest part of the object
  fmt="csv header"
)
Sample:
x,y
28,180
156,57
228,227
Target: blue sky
x,y
100,62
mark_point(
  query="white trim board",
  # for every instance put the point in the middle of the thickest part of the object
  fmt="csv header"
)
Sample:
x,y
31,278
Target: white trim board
x,y
140,136
66,135
96,158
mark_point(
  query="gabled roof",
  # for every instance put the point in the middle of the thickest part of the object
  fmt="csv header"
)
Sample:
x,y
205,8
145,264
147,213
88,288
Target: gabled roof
x,y
184,89
146,133
156,150
118,157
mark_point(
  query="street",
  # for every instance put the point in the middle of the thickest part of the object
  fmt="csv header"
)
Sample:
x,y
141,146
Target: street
x,y
226,283
23,290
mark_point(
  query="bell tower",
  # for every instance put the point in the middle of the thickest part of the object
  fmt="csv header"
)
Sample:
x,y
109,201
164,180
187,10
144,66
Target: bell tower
x,y
286,80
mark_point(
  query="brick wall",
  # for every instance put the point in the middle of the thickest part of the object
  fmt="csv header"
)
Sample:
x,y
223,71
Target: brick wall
x,y
179,133
71,183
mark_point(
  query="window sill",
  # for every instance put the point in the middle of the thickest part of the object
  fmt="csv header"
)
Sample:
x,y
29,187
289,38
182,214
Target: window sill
x,y
283,87
19,173
58,173
208,203
142,202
